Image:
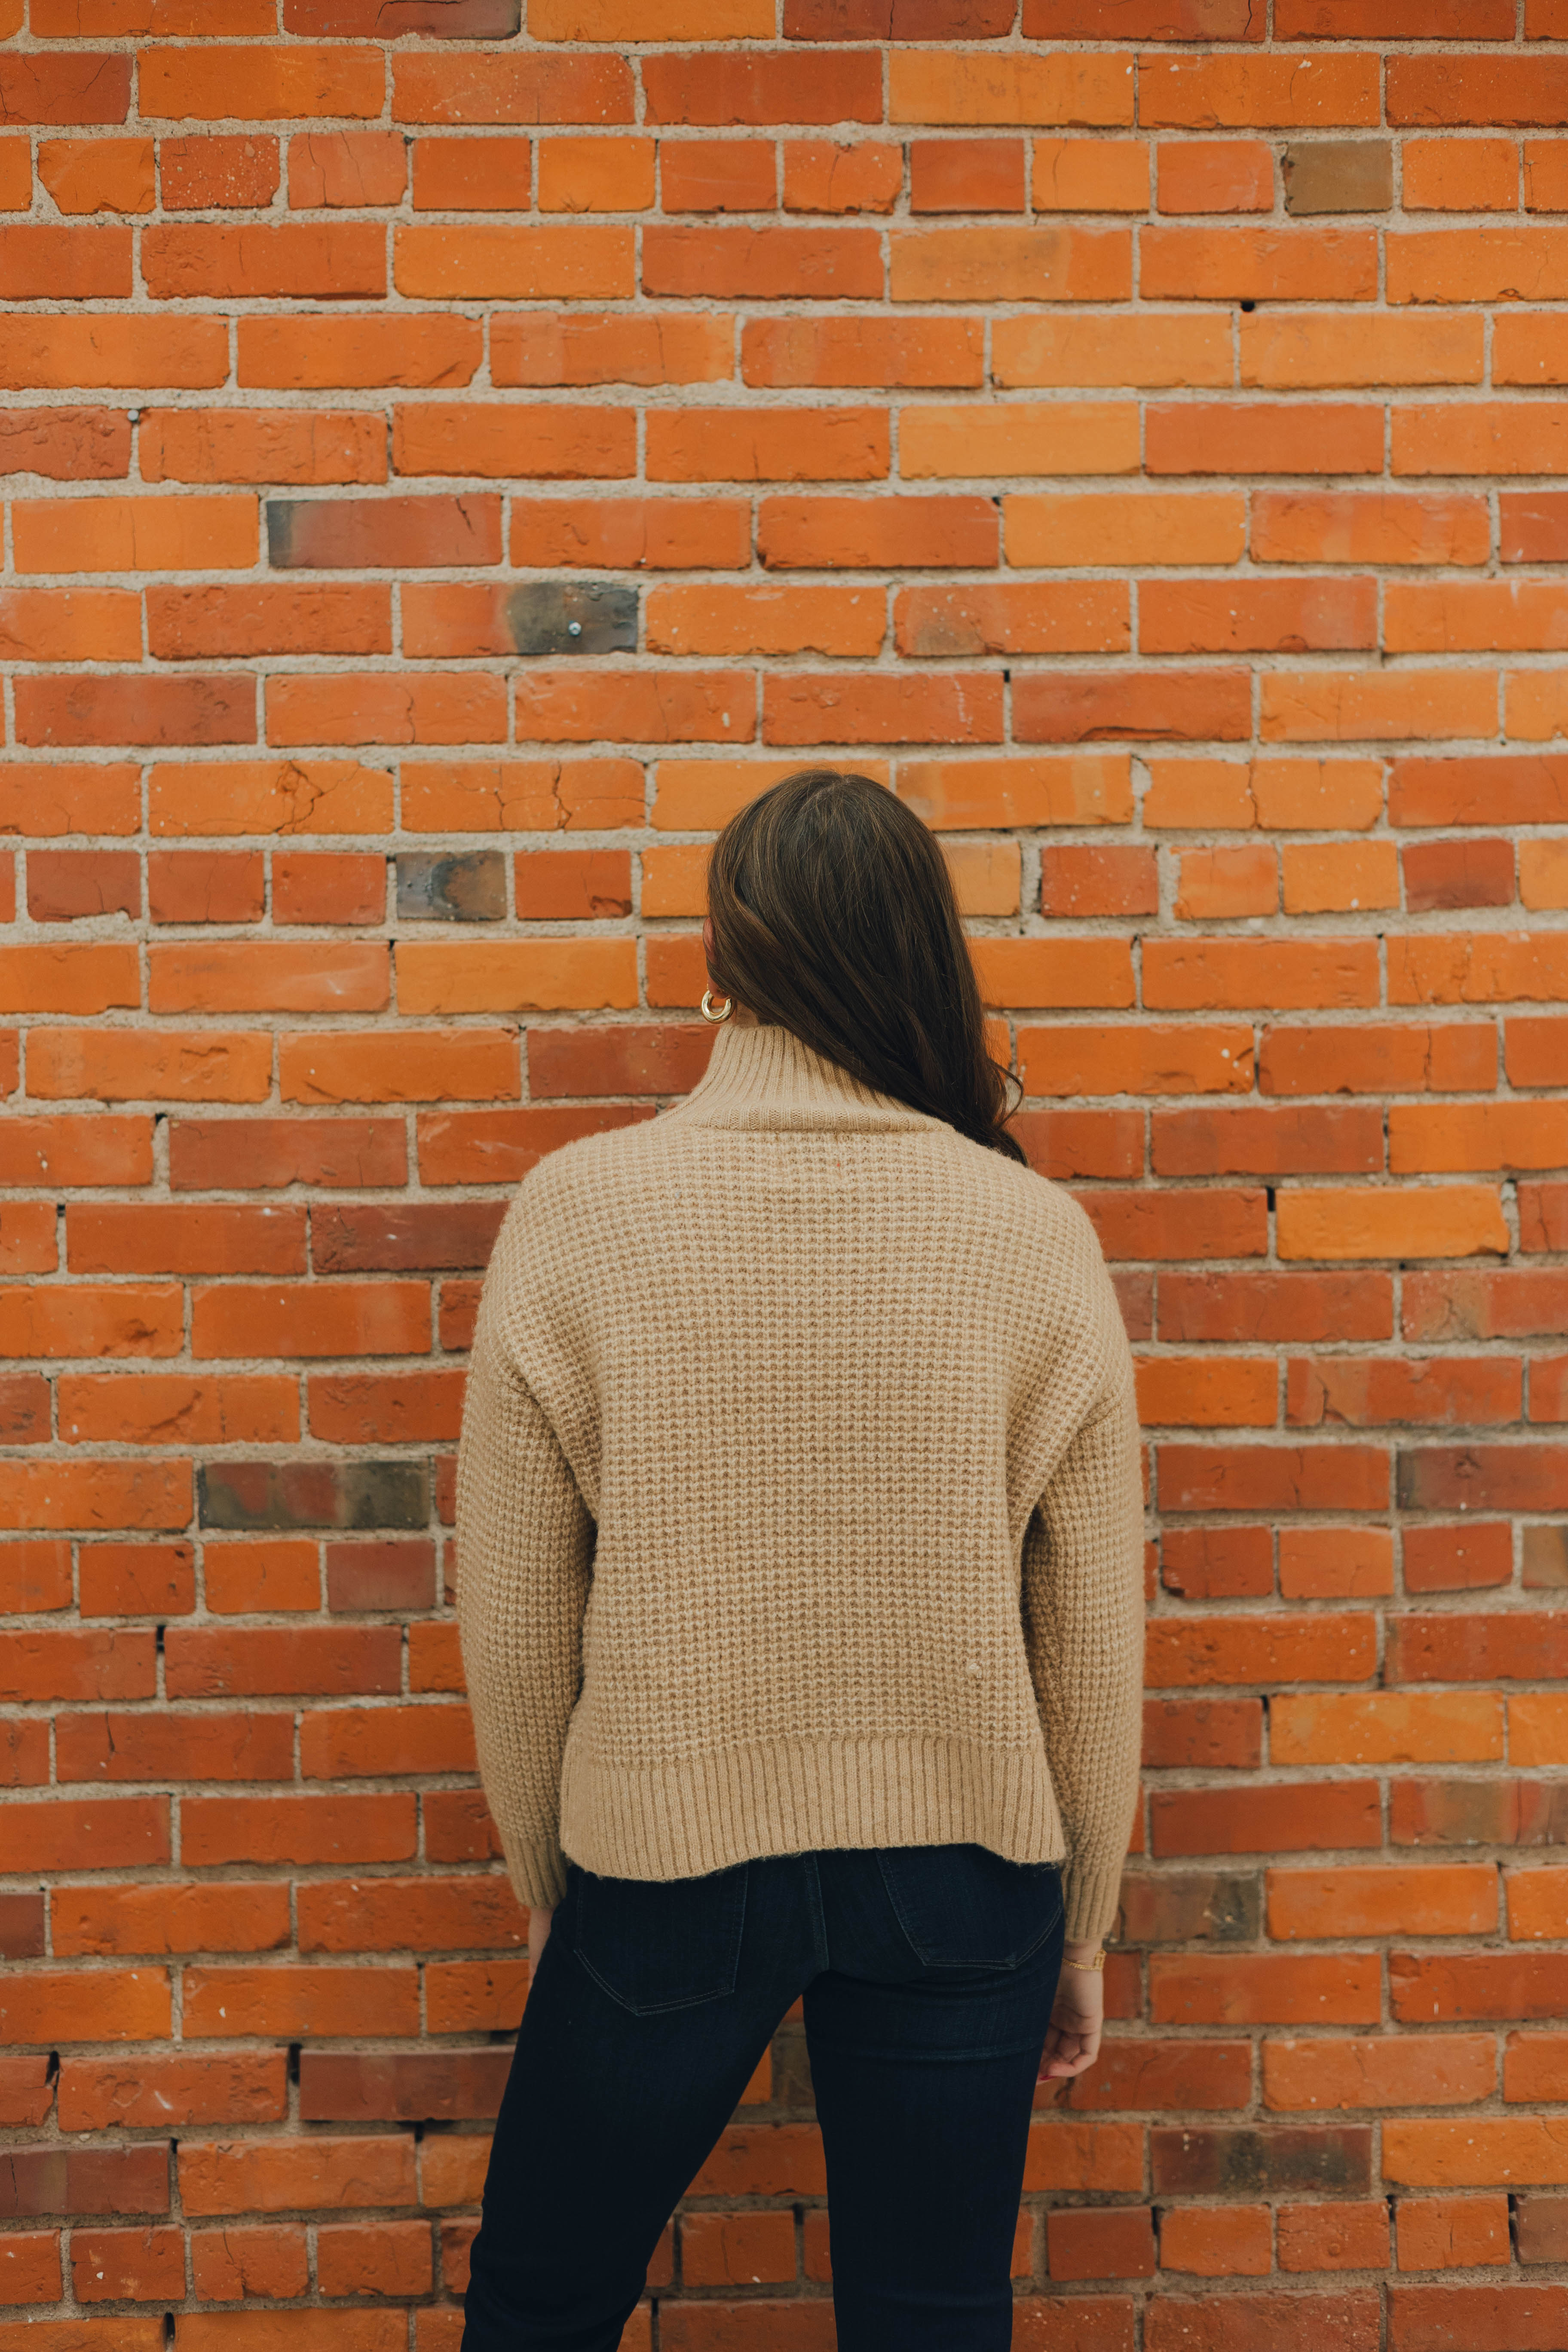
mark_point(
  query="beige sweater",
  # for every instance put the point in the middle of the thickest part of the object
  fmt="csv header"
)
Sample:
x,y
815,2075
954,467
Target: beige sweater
x,y
799,1500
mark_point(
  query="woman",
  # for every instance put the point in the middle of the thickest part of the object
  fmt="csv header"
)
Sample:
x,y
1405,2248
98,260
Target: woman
x,y
800,1531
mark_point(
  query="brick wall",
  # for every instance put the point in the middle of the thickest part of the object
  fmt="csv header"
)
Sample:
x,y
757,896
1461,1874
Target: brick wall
x,y
450,469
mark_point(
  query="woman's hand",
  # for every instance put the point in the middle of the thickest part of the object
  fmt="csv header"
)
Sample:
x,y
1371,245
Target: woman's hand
x,y
537,1936
1072,2037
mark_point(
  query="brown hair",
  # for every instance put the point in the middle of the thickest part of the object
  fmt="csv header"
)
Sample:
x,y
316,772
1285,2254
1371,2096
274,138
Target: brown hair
x,y
833,915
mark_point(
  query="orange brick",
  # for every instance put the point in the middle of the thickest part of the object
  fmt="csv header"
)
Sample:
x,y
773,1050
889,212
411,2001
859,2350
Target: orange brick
x,y
135,534
1458,264
418,707
1546,175
947,86
610,347
1392,527
1448,1221
1090,175
1333,2237
1303,350
1372,706
152,1065
261,446
590,175
296,353
966,176
850,621
1054,617
1160,349
465,88
1059,437
16,174
1101,528
296,258
667,20
1218,885
91,176
660,534
1460,175
346,169
715,175
1388,2070
1009,265
1339,877
514,263
1451,2232
1484,437
1258,437
1438,1899
290,82
1219,176
507,439
1217,2241
1265,93
205,173
516,975
824,176
522,796
726,445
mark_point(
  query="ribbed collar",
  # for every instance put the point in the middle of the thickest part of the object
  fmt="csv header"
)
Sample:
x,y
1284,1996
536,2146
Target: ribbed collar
x,y
765,1077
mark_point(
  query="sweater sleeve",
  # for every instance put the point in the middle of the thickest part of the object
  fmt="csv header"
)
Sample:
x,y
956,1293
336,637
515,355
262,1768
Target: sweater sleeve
x,y
525,1547
1083,1622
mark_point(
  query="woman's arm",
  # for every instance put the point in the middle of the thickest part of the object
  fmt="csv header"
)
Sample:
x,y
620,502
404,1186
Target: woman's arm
x,y
525,1547
1083,1624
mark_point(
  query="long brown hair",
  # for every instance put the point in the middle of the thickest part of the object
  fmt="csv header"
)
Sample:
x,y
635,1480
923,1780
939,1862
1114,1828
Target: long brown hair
x,y
833,915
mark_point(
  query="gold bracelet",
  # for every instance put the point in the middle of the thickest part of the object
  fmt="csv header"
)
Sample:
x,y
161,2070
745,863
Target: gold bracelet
x,y
1089,1968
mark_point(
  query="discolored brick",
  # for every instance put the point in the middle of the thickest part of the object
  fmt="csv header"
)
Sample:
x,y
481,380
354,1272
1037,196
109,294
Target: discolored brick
x,y
1338,176
469,887
240,1495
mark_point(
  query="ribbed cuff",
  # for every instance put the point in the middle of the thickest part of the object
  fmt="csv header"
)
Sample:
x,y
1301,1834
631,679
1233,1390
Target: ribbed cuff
x,y
537,1868
1091,1899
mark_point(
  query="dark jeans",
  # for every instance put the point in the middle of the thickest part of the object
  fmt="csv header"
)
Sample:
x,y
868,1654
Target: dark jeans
x,y
928,1974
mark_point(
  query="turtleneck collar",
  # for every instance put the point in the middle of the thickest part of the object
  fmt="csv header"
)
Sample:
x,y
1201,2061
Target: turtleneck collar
x,y
765,1077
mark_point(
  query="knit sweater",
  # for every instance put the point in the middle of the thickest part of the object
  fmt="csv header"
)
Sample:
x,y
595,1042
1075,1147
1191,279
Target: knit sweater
x,y
799,1500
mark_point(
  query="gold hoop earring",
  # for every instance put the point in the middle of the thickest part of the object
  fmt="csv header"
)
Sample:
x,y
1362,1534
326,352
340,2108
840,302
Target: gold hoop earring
x,y
707,1012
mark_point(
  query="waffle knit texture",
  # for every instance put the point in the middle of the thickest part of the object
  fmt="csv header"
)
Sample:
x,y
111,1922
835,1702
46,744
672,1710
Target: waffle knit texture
x,y
799,1498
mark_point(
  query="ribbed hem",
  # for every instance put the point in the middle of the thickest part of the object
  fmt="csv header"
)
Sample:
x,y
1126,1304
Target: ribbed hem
x,y
1091,1899
537,1871
706,1812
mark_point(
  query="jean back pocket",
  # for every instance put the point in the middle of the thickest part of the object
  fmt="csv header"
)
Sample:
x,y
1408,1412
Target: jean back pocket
x,y
656,1944
963,1906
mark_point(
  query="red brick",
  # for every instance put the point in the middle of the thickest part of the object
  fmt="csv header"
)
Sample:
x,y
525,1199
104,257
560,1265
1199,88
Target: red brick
x,y
237,173
351,535
1228,175
256,2262
610,346
1115,2242
136,1580
148,710
353,169
1151,705
860,534
32,2264
1262,438
128,1746
68,445
830,86
1333,2237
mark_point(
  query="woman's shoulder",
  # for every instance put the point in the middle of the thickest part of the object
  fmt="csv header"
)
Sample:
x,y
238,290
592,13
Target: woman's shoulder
x,y
1036,1206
